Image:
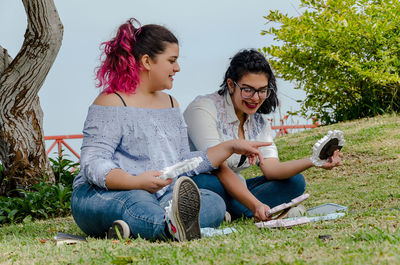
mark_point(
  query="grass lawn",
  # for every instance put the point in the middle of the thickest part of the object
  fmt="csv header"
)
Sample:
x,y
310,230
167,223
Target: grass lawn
x,y
368,183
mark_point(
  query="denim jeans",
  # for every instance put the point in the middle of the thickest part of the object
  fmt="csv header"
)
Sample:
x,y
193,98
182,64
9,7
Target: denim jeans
x,y
95,209
269,192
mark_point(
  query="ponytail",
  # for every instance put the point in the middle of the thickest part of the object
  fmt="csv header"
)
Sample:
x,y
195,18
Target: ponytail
x,y
119,70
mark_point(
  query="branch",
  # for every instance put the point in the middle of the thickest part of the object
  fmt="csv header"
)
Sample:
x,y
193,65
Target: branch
x,y
5,60
26,74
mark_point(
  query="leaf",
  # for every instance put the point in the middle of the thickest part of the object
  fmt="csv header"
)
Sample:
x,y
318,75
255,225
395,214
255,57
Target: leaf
x,y
12,213
343,54
27,219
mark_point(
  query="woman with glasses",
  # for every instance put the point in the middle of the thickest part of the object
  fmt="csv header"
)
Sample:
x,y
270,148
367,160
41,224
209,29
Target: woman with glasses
x,y
236,111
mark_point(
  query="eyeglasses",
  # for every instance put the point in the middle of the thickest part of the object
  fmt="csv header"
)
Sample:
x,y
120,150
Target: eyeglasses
x,y
248,92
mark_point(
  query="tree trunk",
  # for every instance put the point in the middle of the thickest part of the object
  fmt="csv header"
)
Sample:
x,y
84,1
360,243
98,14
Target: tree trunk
x,y
22,149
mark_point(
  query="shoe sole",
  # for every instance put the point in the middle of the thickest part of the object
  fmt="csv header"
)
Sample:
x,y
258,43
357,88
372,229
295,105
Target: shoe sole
x,y
122,227
187,200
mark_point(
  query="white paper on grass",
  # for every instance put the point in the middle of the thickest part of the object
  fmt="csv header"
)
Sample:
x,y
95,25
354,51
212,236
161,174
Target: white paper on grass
x,y
289,222
282,223
209,231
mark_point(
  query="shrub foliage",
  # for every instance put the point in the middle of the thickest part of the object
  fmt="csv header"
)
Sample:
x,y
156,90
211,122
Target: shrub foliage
x,y
46,199
344,54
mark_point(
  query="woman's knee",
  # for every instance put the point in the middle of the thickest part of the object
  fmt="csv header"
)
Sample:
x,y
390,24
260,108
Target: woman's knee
x,y
95,213
145,217
84,213
210,182
146,220
212,210
296,184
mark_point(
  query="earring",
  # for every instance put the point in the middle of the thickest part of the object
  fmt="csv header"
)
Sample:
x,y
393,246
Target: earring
x,y
148,75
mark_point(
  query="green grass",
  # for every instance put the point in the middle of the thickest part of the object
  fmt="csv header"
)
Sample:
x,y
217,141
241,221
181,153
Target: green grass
x,y
368,183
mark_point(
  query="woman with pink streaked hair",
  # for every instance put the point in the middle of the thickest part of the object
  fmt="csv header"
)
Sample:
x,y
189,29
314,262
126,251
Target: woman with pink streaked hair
x,y
133,130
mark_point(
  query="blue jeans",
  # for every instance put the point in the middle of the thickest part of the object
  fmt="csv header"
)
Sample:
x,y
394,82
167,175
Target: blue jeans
x,y
95,209
269,192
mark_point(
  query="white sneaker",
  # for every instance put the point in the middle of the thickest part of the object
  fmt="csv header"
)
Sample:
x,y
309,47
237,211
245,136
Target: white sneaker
x,y
120,227
227,217
297,211
182,213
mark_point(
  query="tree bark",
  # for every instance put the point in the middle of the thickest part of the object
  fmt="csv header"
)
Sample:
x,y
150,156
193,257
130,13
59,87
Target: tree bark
x,y
22,149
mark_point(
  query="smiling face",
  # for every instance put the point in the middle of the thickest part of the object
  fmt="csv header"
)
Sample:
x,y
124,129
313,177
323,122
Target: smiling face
x,y
164,66
247,105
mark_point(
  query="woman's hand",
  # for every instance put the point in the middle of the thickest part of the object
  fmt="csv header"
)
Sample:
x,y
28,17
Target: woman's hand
x,y
220,152
249,149
260,212
334,161
150,182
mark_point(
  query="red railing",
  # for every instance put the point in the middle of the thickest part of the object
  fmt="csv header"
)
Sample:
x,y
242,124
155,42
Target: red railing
x,y
59,139
283,129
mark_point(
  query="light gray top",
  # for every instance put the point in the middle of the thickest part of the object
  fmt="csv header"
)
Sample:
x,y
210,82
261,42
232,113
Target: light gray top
x,y
135,140
212,120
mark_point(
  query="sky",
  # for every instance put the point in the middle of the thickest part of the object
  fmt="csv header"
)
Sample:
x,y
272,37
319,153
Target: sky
x,y
209,31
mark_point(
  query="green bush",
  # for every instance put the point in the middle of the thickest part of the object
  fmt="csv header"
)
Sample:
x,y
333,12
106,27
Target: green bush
x,y
46,199
344,54
64,170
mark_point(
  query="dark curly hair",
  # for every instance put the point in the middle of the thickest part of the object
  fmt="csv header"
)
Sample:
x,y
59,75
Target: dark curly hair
x,y
251,61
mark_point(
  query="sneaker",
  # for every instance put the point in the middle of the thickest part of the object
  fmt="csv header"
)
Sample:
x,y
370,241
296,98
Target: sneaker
x,y
227,217
297,211
122,228
182,213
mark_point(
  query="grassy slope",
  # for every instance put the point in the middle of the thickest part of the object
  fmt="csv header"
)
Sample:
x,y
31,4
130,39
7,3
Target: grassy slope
x,y
368,183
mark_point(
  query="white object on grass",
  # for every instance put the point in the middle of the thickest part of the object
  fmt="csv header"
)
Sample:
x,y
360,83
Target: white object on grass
x,y
180,168
283,223
289,222
68,239
209,231
324,148
330,216
326,208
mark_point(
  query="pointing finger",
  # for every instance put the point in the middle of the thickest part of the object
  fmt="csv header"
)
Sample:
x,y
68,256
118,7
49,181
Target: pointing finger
x,y
260,157
260,144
